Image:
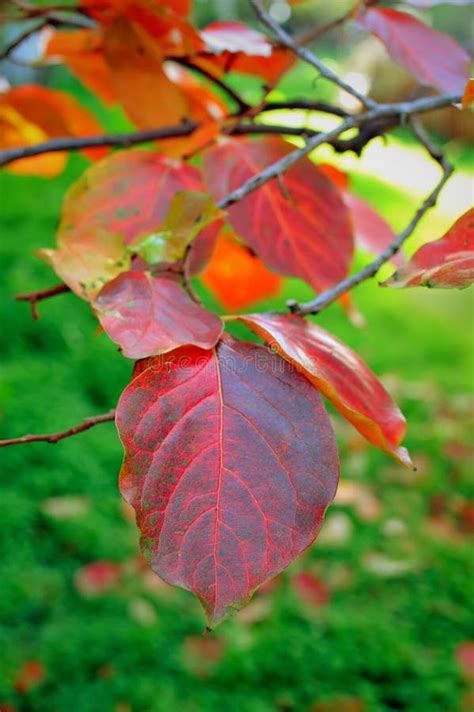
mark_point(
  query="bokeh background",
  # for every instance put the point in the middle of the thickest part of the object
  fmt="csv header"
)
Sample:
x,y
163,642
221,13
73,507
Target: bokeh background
x,y
378,615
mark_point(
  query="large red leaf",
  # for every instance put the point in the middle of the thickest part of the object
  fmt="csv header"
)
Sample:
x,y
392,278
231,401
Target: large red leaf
x,y
447,262
148,316
116,200
298,225
339,374
432,57
230,464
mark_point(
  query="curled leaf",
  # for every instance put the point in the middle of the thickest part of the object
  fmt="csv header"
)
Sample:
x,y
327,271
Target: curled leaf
x,y
339,374
447,262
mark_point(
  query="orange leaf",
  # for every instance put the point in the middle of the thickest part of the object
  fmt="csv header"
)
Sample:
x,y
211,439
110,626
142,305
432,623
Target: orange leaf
x,y
81,51
468,97
31,113
237,277
140,84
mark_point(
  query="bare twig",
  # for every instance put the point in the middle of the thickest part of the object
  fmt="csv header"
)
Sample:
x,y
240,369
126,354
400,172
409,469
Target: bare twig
x,y
316,32
86,424
34,297
330,295
308,56
241,104
305,105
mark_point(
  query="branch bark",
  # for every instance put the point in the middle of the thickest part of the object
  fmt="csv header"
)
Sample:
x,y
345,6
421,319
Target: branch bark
x,y
34,297
86,424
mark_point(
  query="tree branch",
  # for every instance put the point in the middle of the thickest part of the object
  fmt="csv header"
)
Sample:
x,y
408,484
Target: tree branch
x,y
319,303
34,297
308,56
316,32
382,111
86,424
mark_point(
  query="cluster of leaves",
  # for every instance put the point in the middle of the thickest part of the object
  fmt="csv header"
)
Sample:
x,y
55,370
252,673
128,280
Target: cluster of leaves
x,y
230,458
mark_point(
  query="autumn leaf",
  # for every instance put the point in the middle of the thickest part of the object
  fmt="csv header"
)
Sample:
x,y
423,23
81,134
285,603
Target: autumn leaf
x,y
87,258
117,200
298,225
97,578
234,46
237,277
468,97
30,675
188,213
339,374
433,58
81,51
447,262
31,113
230,464
148,316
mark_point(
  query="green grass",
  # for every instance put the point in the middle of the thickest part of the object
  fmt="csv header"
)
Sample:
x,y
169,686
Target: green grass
x,y
389,641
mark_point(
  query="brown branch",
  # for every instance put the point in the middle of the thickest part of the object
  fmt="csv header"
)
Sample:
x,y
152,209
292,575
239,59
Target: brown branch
x,y
365,121
86,424
305,105
319,303
308,56
34,297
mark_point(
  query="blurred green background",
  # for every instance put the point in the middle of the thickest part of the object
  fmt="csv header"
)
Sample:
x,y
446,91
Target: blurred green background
x,y
374,618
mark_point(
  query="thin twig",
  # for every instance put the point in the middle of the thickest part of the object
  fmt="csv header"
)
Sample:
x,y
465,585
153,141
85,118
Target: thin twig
x,y
305,105
330,295
86,424
241,104
34,297
308,56
316,32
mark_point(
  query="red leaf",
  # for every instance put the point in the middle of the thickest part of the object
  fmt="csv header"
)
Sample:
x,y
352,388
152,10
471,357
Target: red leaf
x,y
31,674
97,578
237,277
233,36
465,658
432,57
148,316
298,225
339,374
447,262
230,463
311,589
233,46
